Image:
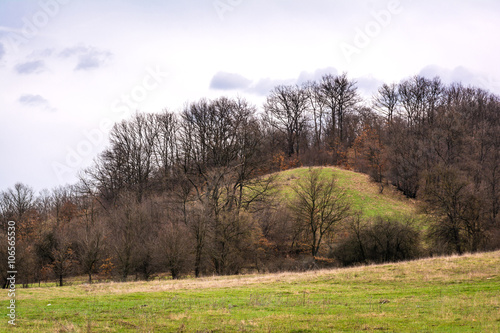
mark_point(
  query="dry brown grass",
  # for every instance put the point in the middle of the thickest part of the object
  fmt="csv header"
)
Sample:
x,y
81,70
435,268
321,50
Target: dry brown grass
x,y
454,268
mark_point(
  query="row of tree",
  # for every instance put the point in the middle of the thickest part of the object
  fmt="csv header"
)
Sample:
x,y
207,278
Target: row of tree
x,y
192,191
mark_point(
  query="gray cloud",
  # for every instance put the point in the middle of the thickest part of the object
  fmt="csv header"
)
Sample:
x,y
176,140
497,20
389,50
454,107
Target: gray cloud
x,y
29,99
316,75
264,86
229,81
35,101
93,59
87,57
71,51
368,85
30,67
233,81
2,51
463,75
458,74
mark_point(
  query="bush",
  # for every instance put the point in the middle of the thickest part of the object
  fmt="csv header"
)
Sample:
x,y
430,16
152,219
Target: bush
x,y
384,239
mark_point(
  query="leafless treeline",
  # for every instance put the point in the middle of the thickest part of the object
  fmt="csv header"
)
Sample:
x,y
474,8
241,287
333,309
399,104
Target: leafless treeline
x,y
191,192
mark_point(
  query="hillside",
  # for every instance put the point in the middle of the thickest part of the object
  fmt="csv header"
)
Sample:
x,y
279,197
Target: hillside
x,y
448,294
364,194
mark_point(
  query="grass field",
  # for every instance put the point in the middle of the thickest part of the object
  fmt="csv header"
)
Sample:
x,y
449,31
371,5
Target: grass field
x,y
453,294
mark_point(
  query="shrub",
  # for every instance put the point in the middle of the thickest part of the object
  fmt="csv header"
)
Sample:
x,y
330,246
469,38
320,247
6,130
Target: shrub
x,y
384,239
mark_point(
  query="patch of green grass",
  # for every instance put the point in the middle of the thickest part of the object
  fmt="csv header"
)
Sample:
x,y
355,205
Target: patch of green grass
x,y
363,194
453,294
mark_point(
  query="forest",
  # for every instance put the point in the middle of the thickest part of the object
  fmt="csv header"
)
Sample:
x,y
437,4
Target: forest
x,y
192,192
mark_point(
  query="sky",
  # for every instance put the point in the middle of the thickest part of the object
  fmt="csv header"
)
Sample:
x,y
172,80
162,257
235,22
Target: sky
x,y
69,69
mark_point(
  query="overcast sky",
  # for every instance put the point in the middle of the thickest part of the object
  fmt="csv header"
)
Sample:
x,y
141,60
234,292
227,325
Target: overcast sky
x,y
70,68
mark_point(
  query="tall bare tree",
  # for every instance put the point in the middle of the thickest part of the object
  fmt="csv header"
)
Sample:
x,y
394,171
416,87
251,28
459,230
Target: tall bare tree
x,y
341,96
165,144
317,107
285,110
319,206
386,101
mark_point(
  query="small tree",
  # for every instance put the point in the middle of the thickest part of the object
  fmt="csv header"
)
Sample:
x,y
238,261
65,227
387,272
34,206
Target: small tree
x,y
89,240
64,261
175,247
318,206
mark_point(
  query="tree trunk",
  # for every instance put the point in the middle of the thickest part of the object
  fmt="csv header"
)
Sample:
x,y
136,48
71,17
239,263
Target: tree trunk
x,y
197,262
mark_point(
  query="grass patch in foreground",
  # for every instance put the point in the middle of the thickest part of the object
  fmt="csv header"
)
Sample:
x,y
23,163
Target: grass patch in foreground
x,y
455,294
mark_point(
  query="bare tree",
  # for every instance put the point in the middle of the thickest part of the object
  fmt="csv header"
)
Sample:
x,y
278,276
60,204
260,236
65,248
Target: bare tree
x,y
89,236
16,202
175,248
318,206
371,156
387,101
165,144
453,201
316,106
405,157
420,98
197,223
55,251
63,255
128,164
341,96
124,225
286,111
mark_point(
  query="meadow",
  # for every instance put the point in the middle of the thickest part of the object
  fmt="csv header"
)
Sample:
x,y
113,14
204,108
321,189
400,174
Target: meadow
x,y
445,294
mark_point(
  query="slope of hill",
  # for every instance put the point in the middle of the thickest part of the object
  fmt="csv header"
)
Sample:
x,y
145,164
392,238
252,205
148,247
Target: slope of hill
x,y
364,194
447,294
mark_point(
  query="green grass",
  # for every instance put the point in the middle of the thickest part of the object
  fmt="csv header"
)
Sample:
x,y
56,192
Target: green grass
x,y
363,194
454,294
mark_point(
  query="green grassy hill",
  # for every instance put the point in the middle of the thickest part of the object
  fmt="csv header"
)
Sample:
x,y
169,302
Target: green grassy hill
x,y
449,294
364,194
